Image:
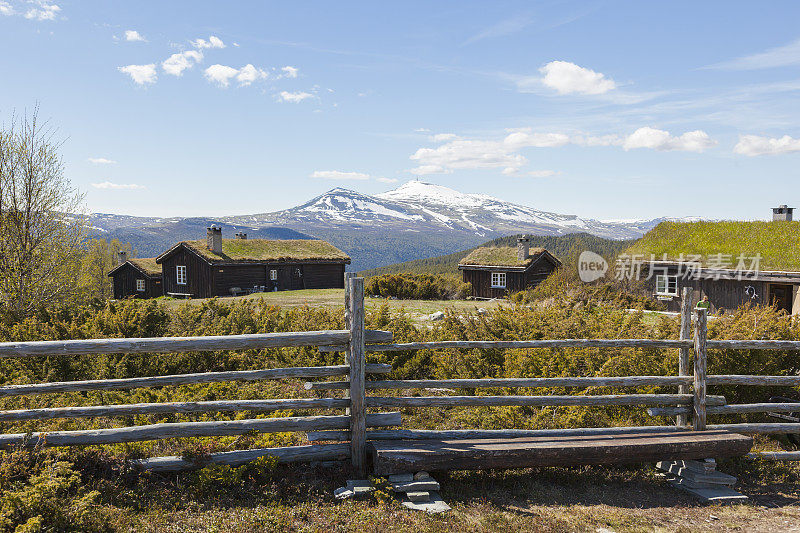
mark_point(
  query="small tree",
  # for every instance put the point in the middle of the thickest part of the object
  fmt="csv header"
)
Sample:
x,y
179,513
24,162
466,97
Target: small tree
x,y
41,230
99,259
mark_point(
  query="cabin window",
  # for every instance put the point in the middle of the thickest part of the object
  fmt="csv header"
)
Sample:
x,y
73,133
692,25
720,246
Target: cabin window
x,y
140,285
666,284
273,275
181,274
498,280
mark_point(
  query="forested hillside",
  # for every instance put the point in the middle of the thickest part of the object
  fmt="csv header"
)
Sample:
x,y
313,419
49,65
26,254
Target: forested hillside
x,y
562,246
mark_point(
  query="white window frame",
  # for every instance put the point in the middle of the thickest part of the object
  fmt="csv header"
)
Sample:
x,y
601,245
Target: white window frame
x,y
273,275
666,285
180,274
140,286
498,280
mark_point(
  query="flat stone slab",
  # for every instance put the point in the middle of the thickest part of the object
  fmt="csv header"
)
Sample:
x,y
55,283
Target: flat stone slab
x,y
719,494
435,505
712,478
419,497
403,456
415,486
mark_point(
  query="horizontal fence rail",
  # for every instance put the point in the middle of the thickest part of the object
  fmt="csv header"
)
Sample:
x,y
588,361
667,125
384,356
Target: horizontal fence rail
x,y
545,343
732,409
187,379
599,381
538,401
752,345
287,454
173,407
187,344
423,434
190,429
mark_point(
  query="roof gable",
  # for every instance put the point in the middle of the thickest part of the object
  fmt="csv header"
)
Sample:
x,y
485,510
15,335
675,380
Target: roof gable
x,y
778,242
145,265
263,250
504,256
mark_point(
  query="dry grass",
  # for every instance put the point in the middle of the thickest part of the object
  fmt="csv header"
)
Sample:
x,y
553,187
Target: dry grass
x,y
148,264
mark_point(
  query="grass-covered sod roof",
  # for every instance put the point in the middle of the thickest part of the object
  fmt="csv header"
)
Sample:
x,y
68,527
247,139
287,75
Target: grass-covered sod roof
x,y
778,242
499,256
148,264
270,250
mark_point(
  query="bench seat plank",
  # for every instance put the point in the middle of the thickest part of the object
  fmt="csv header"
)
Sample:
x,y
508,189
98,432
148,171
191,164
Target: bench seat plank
x,y
399,456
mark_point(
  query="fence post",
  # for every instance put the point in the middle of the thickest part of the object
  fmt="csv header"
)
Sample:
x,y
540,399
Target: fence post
x,y
356,359
700,337
347,276
684,357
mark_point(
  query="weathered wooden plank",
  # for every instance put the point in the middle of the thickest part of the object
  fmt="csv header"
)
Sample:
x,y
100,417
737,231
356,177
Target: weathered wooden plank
x,y
594,381
768,381
544,343
759,429
190,429
390,457
289,454
186,379
173,407
357,359
610,399
753,345
185,344
774,456
699,404
426,434
731,409
685,352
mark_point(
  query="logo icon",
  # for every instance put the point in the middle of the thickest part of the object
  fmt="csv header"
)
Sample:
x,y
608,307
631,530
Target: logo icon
x,y
591,266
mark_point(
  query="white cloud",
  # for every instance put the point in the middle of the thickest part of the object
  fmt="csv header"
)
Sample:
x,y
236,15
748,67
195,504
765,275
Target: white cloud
x,y
441,137
45,11
294,98
248,74
141,74
753,145
220,74
101,161
117,186
289,72
568,78
523,138
133,35
177,63
464,154
6,9
691,141
422,130
781,56
533,174
212,42
387,180
339,175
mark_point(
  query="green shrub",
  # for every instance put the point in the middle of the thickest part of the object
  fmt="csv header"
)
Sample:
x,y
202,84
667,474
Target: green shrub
x,y
409,286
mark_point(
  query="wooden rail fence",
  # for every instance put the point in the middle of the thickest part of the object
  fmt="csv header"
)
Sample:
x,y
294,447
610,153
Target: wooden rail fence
x,y
691,400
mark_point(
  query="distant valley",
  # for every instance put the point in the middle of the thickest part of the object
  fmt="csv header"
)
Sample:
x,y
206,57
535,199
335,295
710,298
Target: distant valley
x,y
416,220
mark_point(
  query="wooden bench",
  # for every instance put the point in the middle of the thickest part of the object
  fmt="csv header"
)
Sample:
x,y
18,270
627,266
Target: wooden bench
x,y
400,456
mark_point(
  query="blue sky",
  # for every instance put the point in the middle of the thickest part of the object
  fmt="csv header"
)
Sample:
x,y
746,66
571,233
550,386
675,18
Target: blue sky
x,y
603,109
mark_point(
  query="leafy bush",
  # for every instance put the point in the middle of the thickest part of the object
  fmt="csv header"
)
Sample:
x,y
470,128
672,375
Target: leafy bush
x,y
409,286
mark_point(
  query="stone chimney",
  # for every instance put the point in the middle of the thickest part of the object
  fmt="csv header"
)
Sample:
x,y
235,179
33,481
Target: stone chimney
x,y
782,212
242,236
122,256
214,239
523,248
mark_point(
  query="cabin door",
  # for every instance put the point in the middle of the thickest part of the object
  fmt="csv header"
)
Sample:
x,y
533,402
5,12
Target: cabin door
x,y
780,296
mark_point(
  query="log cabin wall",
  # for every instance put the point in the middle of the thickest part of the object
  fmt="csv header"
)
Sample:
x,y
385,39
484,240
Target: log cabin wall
x,y
124,282
200,281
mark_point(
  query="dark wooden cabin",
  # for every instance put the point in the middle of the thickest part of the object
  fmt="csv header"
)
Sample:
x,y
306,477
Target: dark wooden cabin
x,y
494,272
137,278
226,267
733,263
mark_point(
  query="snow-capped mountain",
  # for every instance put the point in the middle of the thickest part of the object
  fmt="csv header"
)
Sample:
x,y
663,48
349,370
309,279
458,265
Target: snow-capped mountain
x,y
415,220
419,206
